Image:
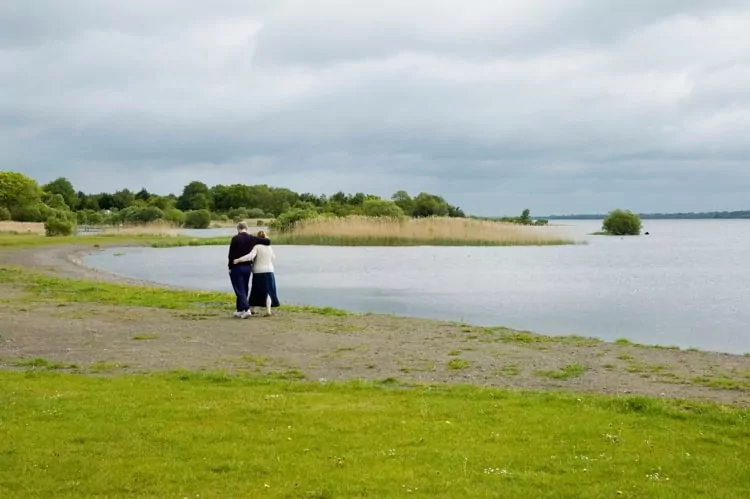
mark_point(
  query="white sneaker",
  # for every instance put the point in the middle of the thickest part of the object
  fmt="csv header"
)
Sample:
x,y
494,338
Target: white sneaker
x,y
245,315
237,314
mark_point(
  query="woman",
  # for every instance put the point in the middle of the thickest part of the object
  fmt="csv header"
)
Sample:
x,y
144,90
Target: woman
x,y
263,287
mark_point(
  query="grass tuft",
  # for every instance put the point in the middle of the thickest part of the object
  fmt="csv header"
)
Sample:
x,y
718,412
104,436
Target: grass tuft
x,y
458,364
567,372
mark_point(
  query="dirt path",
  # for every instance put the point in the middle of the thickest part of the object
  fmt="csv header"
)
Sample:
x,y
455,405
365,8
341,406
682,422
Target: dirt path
x,y
99,339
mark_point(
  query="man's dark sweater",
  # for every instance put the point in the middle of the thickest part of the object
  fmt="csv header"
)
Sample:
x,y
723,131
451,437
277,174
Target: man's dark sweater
x,y
242,244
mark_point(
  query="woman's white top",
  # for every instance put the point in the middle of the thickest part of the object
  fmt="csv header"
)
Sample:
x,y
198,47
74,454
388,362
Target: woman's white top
x,y
264,258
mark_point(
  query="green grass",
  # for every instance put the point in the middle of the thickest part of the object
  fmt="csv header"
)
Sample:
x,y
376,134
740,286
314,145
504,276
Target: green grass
x,y
722,382
11,240
629,343
56,289
212,435
41,363
509,370
506,335
458,364
106,367
567,372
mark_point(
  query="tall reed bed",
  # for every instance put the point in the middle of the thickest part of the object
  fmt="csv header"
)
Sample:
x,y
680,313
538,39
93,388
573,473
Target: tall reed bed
x,y
22,227
149,229
366,231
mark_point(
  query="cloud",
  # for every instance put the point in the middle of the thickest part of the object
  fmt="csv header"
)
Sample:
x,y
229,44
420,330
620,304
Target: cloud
x,y
556,105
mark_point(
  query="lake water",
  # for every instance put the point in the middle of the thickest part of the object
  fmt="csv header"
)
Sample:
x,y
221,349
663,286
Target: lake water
x,y
686,284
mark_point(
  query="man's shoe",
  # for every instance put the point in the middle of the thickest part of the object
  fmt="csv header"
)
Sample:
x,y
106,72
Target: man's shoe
x,y
245,314
237,314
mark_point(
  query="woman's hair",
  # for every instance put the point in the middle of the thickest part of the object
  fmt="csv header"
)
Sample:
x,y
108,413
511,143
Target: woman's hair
x,y
261,233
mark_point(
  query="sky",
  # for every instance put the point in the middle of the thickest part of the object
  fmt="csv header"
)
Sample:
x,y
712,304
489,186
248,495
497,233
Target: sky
x,y
559,106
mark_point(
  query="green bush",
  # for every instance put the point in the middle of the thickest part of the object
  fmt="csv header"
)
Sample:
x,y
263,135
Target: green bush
x,y
381,208
238,214
622,223
140,214
89,217
58,225
198,219
4,213
287,220
27,213
255,213
175,216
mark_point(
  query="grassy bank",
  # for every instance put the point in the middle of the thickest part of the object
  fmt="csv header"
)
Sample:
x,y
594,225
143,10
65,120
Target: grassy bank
x,y
45,287
438,231
14,240
210,435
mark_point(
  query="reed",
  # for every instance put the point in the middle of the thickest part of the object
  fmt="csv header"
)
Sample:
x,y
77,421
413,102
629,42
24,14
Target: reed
x,y
366,231
22,227
150,229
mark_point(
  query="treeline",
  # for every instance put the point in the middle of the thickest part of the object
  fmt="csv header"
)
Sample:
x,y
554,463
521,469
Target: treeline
x,y
22,199
524,219
705,215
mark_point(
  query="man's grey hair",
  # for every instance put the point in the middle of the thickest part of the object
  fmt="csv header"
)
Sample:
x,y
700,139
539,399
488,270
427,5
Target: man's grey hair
x,y
242,226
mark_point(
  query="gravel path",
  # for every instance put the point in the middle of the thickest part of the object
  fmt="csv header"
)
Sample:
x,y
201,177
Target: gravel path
x,y
104,339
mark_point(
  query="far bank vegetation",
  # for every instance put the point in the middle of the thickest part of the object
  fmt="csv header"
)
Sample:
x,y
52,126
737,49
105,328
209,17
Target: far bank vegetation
x,y
58,209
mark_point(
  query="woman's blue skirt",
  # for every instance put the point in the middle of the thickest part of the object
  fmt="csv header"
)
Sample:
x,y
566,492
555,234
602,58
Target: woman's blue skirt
x,y
264,285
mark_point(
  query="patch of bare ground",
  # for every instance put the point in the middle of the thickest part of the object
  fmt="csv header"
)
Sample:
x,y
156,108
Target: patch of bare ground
x,y
98,339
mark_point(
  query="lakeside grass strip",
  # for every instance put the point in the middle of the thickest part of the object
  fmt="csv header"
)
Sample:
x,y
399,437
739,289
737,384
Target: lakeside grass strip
x,y
11,240
214,435
45,287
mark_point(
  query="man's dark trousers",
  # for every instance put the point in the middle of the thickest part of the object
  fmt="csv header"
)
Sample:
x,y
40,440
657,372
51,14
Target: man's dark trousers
x,y
240,276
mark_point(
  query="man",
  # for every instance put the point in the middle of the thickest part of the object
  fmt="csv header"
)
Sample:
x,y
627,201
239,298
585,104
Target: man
x,y
242,244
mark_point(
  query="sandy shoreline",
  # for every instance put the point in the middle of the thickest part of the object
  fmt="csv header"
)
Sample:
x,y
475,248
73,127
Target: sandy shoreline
x,y
336,348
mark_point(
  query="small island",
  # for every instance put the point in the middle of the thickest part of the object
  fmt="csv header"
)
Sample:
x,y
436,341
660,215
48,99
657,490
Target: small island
x,y
621,223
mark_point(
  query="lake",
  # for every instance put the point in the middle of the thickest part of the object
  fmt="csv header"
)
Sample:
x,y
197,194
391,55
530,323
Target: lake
x,y
687,284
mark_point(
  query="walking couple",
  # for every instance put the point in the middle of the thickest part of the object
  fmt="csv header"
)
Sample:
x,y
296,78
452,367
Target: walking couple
x,y
252,255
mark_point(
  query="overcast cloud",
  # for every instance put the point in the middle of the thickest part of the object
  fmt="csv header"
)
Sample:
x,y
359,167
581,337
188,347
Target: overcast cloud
x,y
557,105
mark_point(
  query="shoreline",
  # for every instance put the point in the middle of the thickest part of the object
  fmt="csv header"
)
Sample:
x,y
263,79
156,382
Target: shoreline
x,y
322,344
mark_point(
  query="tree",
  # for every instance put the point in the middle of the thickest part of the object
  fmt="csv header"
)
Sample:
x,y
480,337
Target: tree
x,y
56,201
195,196
143,194
87,202
404,201
64,188
198,219
18,192
122,199
381,208
429,205
456,212
161,202
622,223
